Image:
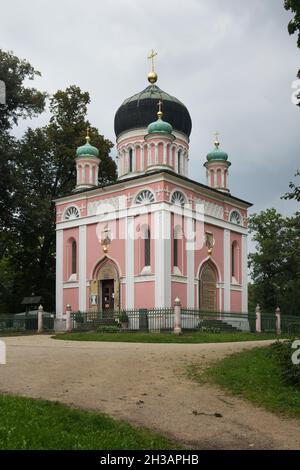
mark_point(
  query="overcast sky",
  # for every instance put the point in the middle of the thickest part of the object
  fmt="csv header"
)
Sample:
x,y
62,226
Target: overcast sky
x,y
232,63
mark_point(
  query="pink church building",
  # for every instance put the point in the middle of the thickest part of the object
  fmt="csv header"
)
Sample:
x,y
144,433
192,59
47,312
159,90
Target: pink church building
x,y
155,234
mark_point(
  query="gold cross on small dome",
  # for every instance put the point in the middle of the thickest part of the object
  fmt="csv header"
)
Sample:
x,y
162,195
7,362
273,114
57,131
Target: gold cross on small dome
x,y
159,113
217,143
87,138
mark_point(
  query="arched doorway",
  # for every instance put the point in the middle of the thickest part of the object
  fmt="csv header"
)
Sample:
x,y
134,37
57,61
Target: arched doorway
x,y
105,286
208,288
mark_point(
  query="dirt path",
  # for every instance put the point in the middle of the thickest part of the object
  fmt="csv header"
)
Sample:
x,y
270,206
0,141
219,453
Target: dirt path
x,y
146,385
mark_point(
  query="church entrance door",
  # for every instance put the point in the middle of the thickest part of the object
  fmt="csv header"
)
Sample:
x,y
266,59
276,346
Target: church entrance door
x,y
208,289
108,294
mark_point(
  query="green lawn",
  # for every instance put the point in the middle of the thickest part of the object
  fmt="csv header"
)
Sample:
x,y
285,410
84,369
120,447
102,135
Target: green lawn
x,y
37,424
186,337
255,375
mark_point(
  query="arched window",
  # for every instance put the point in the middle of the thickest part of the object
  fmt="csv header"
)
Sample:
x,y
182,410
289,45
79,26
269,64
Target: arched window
x,y
144,197
71,213
178,198
235,218
74,257
175,249
130,160
147,242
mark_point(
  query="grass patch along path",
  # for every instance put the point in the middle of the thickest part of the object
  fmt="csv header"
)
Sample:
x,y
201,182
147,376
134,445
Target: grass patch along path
x,y
255,375
38,424
193,337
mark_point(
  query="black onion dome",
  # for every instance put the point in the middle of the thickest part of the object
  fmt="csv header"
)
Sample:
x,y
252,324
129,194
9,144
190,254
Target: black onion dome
x,y
141,109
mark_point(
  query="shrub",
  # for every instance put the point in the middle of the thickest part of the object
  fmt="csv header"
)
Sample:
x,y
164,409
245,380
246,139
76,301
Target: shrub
x,y
108,329
283,352
79,317
123,318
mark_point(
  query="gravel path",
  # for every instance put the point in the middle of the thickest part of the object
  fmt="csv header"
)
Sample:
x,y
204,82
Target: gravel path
x,y
146,385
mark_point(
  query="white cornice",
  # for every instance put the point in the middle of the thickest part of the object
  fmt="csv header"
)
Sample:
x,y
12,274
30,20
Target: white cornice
x,y
142,131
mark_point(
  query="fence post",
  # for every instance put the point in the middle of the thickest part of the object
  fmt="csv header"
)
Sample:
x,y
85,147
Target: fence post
x,y
40,319
258,319
68,318
278,320
177,316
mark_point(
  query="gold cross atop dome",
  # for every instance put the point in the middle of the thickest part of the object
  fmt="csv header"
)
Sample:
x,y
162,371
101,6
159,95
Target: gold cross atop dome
x,y
217,143
87,137
152,76
160,113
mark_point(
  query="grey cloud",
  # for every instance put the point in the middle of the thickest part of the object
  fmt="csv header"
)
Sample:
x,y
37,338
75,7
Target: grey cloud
x,y
232,63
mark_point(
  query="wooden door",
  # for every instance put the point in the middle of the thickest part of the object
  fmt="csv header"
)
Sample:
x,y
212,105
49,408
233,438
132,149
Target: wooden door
x,y
208,289
108,294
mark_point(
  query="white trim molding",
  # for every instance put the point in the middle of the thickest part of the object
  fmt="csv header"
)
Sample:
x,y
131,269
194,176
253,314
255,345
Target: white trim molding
x,y
244,274
82,269
129,261
59,273
227,273
162,224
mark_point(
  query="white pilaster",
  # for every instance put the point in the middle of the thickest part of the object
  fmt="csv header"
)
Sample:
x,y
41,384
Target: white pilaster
x,y
190,253
59,272
142,159
162,227
82,268
244,274
227,273
156,153
129,260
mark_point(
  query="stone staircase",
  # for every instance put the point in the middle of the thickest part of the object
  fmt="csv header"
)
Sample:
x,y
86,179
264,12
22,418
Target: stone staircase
x,y
218,325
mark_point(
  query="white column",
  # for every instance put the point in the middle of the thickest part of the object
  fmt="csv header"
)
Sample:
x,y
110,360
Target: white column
x,y
227,273
59,273
162,230
91,174
82,268
190,253
156,153
215,178
244,274
142,159
165,154
129,261
222,179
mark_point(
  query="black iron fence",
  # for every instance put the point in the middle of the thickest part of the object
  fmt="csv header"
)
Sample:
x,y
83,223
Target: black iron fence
x,y
163,319
153,320
24,322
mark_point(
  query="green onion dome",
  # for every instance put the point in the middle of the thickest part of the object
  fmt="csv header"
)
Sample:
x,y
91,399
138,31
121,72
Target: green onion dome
x,y
160,126
87,149
217,154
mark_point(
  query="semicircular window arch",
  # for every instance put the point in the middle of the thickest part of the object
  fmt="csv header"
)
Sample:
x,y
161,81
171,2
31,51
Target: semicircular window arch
x,y
178,198
72,213
235,218
145,197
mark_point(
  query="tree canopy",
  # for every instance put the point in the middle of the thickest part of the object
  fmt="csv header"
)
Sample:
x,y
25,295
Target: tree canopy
x,y
275,266
294,24
36,169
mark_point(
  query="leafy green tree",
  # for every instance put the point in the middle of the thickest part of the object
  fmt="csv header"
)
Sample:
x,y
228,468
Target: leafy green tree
x,y
21,101
294,24
45,169
295,190
275,266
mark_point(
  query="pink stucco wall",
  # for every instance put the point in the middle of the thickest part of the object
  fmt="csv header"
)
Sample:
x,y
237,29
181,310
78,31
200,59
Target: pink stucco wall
x,y
144,294
236,301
